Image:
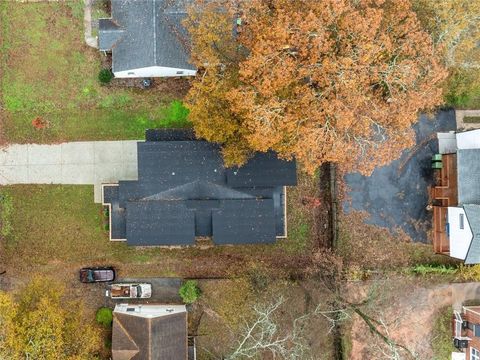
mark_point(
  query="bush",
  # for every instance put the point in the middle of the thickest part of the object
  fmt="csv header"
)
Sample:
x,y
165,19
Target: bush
x,y
433,269
190,292
104,316
441,341
469,272
105,76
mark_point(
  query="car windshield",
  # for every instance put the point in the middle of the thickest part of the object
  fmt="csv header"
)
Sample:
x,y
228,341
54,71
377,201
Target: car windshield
x,y
90,275
139,291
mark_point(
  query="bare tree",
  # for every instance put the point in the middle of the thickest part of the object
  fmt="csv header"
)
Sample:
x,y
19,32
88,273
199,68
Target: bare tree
x,y
263,335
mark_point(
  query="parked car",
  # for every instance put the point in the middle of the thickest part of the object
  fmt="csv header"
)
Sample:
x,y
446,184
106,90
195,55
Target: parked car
x,y
130,291
97,274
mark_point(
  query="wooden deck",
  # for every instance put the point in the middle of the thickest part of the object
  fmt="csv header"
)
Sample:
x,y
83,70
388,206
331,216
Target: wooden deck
x,y
441,244
444,194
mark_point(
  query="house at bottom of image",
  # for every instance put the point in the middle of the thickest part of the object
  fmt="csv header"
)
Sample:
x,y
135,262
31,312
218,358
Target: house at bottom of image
x,y
466,333
184,192
154,332
456,196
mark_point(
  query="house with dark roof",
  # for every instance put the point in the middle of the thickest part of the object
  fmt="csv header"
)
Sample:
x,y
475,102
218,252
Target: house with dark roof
x,y
147,38
456,196
150,332
184,192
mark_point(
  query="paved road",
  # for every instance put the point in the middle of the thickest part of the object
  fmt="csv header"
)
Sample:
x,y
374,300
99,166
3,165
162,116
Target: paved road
x,y
90,163
396,195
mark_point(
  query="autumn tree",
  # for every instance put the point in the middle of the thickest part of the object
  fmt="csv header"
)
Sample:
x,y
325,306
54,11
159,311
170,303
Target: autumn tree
x,y
453,25
41,324
322,81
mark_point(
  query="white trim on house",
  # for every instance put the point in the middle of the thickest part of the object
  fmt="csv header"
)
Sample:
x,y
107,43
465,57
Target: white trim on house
x,y
468,139
459,233
154,71
285,222
474,354
468,308
149,310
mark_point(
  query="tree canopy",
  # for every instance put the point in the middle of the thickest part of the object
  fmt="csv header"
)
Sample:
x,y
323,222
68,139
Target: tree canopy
x,y
40,324
453,25
322,81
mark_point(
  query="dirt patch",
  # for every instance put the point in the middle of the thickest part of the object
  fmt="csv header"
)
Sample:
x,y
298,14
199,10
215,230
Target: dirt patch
x,y
227,306
406,310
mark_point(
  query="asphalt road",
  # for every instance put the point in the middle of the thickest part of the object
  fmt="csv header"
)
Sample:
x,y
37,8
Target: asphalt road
x,y
396,195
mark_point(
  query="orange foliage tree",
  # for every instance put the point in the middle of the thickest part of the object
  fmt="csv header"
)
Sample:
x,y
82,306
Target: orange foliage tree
x,y
322,81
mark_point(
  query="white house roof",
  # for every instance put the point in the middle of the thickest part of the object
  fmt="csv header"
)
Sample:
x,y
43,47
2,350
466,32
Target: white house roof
x,y
468,139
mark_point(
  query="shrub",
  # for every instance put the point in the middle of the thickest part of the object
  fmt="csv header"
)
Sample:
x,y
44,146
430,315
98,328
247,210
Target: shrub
x,y
469,272
105,76
433,269
189,292
104,316
441,341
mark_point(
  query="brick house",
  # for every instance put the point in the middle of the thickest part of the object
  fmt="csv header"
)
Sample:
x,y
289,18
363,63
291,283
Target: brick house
x,y
466,333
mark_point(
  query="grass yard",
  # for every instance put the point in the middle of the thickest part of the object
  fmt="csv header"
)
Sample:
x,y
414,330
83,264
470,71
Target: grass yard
x,y
49,72
441,341
46,227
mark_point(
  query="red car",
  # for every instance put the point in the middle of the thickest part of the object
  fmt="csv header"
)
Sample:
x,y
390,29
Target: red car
x,y
97,274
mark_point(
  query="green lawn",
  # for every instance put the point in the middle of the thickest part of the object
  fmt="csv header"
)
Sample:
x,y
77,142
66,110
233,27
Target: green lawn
x,y
441,342
51,227
49,72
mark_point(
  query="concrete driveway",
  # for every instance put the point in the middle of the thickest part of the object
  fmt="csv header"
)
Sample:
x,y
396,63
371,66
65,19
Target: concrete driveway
x,y
396,195
88,163
164,291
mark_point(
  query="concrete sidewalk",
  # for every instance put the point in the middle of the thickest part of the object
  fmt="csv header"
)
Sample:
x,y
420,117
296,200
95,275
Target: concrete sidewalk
x,y
90,163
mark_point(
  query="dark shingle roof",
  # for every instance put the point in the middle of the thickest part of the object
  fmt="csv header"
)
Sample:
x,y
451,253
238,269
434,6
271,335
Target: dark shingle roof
x,y
468,172
110,32
183,191
158,338
170,221
244,222
153,34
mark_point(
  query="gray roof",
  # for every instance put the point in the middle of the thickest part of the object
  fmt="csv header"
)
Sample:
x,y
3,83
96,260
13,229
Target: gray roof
x,y
468,176
111,33
144,33
252,220
473,217
184,191
139,338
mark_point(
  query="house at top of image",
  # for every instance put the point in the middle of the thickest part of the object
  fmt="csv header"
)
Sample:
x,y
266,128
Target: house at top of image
x,y
466,333
184,192
147,38
456,197
151,332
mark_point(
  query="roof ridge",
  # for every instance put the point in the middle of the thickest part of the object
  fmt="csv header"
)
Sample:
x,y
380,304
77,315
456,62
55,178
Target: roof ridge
x,y
471,229
125,331
154,32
